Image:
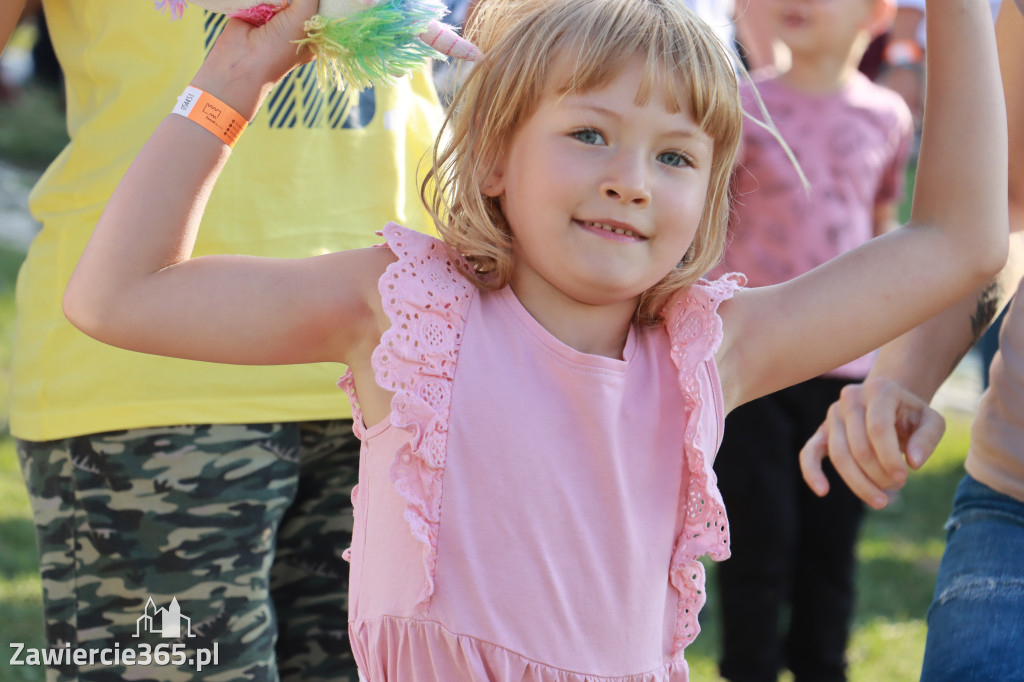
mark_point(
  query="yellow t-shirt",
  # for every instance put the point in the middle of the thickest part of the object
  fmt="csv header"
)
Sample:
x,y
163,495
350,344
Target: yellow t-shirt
x,y
304,179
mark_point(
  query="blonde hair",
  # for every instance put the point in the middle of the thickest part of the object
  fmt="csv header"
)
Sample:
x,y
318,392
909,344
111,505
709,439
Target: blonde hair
x,y
523,43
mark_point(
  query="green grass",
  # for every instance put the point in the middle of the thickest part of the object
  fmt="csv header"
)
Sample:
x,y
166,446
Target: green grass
x,y
28,139
33,130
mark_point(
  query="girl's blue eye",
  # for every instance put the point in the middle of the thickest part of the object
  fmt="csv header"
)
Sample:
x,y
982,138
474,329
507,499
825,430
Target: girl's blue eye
x,y
674,159
588,136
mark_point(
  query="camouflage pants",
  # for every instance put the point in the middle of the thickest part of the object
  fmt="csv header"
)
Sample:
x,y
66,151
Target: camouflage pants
x,y
242,525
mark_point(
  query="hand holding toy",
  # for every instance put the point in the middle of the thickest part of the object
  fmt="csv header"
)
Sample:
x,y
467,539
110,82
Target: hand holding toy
x,y
358,42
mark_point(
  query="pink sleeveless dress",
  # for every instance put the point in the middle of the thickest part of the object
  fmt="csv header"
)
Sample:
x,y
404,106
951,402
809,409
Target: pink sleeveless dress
x,y
528,512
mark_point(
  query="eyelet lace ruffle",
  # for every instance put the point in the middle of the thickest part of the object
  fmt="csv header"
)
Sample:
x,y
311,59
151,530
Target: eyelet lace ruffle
x,y
695,330
416,360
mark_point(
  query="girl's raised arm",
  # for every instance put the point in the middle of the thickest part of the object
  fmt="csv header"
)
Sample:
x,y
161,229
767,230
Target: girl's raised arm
x,y
135,285
869,430
955,241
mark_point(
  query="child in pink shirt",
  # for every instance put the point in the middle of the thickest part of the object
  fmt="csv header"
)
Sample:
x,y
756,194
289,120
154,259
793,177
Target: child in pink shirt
x,y
852,139
541,392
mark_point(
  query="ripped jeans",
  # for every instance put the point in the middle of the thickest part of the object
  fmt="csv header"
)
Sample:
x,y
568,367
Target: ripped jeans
x,y
976,620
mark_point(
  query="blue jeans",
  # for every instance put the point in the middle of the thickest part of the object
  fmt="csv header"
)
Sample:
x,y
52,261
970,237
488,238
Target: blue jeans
x,y
976,620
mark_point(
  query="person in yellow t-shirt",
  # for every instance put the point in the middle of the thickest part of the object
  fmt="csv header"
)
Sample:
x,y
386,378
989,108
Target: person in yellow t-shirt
x,y
221,493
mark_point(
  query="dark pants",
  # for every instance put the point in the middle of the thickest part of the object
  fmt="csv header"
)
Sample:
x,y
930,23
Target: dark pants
x,y
791,550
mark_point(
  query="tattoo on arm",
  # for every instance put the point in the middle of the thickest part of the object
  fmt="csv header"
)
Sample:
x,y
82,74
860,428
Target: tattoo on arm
x,y
984,313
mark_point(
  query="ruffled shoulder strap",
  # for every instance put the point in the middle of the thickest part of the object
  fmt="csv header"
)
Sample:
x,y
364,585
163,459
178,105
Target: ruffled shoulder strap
x,y
427,300
695,331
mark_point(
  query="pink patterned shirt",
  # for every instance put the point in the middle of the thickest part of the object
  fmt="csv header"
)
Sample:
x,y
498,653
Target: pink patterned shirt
x,y
852,146
530,512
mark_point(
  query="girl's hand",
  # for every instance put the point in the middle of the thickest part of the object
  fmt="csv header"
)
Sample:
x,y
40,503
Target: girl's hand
x,y
865,435
246,61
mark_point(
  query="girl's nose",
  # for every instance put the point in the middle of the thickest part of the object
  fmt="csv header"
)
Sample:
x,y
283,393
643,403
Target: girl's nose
x,y
627,183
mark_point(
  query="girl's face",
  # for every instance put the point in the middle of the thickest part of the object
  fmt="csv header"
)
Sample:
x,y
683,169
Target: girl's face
x,y
603,195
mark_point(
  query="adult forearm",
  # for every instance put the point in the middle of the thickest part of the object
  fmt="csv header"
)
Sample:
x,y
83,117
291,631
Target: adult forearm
x,y
924,357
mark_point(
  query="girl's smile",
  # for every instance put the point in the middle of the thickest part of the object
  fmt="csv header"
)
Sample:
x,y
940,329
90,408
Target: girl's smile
x,y
612,230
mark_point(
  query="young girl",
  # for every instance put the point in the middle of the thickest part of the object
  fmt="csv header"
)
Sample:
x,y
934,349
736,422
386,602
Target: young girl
x,y
541,394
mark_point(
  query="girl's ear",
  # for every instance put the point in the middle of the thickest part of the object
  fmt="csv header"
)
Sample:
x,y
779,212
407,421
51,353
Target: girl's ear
x,y
494,184
882,14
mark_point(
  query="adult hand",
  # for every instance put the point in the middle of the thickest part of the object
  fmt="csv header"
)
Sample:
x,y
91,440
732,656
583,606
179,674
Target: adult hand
x,y
866,433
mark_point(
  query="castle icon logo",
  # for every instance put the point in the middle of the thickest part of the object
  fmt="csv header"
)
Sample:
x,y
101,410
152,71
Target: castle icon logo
x,y
166,622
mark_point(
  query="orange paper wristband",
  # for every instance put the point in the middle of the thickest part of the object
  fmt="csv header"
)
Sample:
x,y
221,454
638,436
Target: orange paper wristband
x,y
208,111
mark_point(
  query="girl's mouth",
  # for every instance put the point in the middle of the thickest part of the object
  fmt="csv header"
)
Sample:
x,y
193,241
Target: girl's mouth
x,y
616,229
